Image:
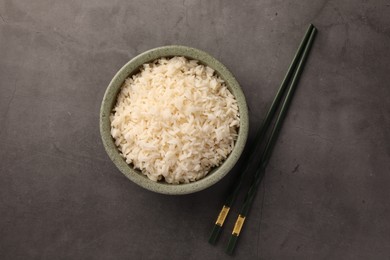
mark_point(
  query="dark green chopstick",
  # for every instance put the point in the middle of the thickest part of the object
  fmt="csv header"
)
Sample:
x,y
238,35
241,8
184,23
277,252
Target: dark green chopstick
x,y
268,149
257,142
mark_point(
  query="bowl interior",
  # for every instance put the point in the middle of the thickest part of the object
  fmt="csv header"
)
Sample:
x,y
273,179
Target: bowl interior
x,y
109,101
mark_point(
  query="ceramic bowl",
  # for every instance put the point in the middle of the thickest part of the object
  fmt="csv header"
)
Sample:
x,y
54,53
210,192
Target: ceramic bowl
x,y
109,101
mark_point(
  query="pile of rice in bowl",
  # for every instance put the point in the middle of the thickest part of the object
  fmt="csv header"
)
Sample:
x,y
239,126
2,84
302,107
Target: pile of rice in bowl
x,y
175,120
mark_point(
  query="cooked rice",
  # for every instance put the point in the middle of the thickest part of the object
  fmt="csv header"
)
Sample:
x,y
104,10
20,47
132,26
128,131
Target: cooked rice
x,y
175,120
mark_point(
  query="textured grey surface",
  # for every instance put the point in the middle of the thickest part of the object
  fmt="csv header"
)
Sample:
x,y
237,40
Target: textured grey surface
x,y
326,191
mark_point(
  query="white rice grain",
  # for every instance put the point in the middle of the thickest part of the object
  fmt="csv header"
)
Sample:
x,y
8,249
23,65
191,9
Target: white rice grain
x,y
175,120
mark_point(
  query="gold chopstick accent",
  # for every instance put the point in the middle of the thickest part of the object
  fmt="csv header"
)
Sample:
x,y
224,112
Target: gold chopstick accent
x,y
238,225
222,216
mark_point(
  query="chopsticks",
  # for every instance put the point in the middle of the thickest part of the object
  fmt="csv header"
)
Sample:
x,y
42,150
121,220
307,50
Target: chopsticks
x,y
261,161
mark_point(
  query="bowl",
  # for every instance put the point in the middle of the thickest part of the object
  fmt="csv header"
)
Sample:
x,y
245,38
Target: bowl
x,y
109,101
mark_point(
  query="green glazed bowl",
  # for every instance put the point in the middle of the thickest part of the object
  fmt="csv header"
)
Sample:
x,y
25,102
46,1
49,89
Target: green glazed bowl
x,y
109,101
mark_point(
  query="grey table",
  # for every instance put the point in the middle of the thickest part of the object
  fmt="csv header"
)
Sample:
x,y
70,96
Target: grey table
x,y
326,190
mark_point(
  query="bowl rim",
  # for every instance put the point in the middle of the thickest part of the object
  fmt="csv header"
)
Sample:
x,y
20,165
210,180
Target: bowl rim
x,y
109,100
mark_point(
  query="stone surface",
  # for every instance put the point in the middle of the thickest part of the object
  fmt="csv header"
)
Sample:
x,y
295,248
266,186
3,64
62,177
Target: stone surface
x,y
325,193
